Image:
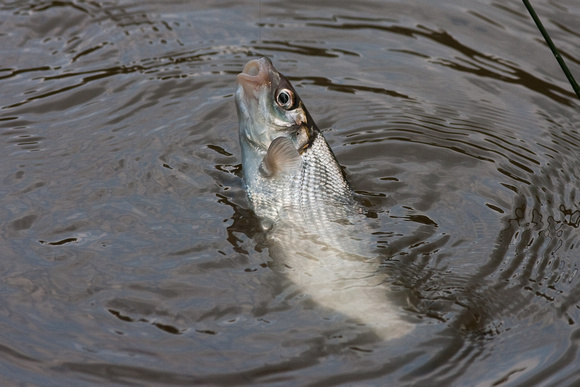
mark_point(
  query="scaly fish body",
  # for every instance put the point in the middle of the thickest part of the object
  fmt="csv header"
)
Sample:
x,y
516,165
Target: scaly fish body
x,y
301,195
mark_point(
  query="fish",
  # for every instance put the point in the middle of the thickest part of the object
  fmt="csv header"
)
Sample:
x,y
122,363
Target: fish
x,y
317,233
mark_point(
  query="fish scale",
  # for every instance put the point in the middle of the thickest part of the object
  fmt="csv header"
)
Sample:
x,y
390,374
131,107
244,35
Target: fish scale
x,y
317,198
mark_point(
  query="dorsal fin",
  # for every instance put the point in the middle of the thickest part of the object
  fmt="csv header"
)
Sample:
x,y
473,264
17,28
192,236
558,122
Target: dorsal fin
x,y
282,158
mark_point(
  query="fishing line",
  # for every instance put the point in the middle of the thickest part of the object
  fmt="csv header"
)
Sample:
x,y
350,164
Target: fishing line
x,y
553,47
260,21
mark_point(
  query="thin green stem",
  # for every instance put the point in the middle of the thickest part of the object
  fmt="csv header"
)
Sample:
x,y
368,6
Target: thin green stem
x,y
553,47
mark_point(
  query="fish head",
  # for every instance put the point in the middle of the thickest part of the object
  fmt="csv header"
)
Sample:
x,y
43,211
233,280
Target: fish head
x,y
269,108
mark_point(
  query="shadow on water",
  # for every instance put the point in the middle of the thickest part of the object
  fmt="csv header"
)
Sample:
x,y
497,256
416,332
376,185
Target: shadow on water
x,y
473,62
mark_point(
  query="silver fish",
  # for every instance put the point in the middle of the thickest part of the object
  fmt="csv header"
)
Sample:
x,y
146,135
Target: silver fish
x,y
298,190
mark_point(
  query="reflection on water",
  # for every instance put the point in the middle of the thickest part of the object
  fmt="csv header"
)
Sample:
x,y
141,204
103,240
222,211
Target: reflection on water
x,y
130,254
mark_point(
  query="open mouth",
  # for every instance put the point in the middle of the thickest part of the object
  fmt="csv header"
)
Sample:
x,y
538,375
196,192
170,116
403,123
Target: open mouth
x,y
254,74
252,68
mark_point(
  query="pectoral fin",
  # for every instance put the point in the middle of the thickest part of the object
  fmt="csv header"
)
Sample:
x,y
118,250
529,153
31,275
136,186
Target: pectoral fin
x,y
282,158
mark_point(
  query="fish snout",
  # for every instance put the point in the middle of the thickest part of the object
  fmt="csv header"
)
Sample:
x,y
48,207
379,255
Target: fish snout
x,y
252,68
254,75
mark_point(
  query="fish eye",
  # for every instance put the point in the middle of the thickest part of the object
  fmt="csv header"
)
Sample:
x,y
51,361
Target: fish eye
x,y
285,98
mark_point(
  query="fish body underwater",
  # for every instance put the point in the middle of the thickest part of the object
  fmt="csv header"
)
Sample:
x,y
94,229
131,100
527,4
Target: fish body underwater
x,y
316,230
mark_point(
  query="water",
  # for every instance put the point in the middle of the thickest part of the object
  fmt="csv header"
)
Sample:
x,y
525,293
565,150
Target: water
x,y
130,255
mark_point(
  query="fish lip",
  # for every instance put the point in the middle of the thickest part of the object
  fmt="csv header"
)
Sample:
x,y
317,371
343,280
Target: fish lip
x,y
254,75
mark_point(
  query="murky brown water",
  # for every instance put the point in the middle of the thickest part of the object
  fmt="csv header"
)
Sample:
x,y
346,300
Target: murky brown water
x,y
128,251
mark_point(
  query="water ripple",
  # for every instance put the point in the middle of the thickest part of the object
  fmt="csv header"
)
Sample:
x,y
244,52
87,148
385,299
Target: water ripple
x,y
128,243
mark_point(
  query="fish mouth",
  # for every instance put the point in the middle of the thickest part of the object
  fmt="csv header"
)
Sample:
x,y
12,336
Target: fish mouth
x,y
254,75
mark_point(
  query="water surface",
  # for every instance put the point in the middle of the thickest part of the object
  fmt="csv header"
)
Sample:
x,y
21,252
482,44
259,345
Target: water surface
x,y
130,255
